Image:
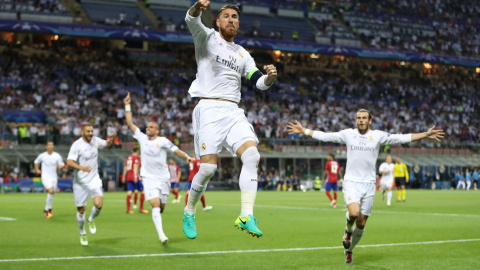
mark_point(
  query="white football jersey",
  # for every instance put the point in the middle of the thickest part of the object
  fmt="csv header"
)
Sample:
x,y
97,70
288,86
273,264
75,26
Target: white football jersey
x,y
86,154
49,165
221,64
362,150
154,156
387,177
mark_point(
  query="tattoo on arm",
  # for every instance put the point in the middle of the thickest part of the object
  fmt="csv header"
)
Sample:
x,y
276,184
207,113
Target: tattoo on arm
x,y
195,10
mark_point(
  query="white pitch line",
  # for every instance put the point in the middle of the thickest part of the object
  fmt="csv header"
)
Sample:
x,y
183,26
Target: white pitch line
x,y
233,251
7,219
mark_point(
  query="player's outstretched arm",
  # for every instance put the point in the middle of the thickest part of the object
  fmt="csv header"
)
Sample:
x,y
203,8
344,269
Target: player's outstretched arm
x,y
271,74
184,155
111,137
432,133
297,128
128,113
198,7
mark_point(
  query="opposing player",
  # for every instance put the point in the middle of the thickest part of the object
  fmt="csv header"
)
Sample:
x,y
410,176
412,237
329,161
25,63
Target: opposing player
x,y
131,172
154,170
217,120
363,146
175,175
193,168
51,161
83,157
386,170
401,177
333,171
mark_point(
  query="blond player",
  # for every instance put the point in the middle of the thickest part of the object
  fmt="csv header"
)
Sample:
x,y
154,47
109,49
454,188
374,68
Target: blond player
x,y
386,170
51,161
83,157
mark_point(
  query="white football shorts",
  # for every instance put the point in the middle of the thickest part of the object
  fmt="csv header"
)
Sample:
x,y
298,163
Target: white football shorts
x,y
156,189
359,192
81,191
50,183
386,184
218,124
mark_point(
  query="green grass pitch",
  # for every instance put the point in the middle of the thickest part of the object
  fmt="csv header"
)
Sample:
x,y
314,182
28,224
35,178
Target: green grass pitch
x,y
289,221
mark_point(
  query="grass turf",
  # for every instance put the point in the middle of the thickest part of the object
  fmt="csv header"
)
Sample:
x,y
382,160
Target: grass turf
x,y
287,219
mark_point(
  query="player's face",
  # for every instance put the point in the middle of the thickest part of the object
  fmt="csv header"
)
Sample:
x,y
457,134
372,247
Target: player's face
x,y
398,160
228,23
363,123
87,133
49,146
152,129
389,159
172,161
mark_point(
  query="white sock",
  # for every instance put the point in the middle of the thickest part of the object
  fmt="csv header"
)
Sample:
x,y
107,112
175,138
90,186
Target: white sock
x,y
157,220
94,214
356,236
199,184
81,223
48,205
389,195
249,180
349,226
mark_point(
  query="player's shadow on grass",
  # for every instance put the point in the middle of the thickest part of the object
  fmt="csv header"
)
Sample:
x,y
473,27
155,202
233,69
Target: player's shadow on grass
x,y
107,241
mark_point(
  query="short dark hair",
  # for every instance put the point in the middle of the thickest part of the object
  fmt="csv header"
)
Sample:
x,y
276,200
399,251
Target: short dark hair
x,y
365,110
135,149
49,141
234,7
333,157
86,125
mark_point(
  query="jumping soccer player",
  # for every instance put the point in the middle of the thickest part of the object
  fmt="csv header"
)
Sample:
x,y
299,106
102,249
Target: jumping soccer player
x,y
217,120
363,146
51,161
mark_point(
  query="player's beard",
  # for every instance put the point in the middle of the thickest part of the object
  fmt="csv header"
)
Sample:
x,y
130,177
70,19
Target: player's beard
x,y
364,130
229,33
87,138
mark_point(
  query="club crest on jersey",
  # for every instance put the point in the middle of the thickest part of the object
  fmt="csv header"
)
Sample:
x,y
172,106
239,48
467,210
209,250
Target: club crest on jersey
x,y
349,198
204,146
158,146
241,55
370,138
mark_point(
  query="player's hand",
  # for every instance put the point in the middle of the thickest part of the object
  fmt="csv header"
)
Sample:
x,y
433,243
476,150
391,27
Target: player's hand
x,y
127,99
203,4
295,128
86,169
38,172
189,159
436,134
271,73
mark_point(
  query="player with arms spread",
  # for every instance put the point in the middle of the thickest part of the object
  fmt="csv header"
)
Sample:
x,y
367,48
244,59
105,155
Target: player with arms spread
x,y
83,157
332,169
154,170
217,120
363,146
131,171
51,161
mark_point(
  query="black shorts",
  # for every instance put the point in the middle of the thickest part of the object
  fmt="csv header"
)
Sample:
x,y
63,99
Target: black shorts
x,y
399,181
475,182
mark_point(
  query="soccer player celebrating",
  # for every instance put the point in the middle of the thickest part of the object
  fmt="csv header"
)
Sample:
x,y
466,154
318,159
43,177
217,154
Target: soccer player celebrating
x,y
175,175
154,170
51,161
193,168
217,120
130,175
401,177
363,146
83,157
332,168
386,170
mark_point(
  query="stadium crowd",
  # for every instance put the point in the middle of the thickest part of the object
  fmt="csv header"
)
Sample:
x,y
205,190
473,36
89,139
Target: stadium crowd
x,y
79,86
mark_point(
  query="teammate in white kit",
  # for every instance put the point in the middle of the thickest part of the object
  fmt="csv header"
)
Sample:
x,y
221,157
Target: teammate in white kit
x,y
363,146
83,157
51,161
386,170
154,170
217,120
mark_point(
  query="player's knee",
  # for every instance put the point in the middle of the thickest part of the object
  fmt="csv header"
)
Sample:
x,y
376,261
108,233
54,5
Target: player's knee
x,y
81,210
251,156
207,170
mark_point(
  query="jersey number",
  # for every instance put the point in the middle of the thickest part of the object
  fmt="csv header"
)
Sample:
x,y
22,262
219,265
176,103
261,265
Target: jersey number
x,y
190,166
334,167
129,165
